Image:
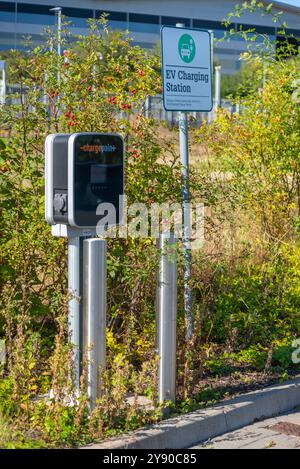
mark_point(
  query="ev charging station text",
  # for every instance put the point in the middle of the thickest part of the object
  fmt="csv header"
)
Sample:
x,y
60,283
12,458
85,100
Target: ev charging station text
x,y
188,78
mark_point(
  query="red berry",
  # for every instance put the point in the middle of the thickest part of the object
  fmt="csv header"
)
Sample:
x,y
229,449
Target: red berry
x,y
135,153
113,100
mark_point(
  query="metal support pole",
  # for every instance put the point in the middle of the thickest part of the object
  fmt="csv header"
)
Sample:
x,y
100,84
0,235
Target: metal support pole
x,y
94,313
45,97
217,103
186,235
57,12
3,85
210,114
75,306
186,232
147,107
166,311
58,42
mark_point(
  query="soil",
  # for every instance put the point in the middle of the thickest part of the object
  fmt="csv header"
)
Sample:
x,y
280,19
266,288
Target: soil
x,y
237,383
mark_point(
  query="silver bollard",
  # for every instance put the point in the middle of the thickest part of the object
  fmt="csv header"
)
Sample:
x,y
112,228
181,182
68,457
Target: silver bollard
x,y
3,82
75,302
94,313
166,311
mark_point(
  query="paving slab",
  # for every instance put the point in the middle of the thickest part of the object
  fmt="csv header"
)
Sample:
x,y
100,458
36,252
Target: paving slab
x,y
259,435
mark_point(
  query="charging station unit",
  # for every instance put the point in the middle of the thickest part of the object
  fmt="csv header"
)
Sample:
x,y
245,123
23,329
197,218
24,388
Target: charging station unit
x,y
83,171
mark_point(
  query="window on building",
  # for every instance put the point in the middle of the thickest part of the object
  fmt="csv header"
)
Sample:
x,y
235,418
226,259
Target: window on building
x,y
7,41
172,20
216,26
256,33
144,23
258,29
293,32
287,46
35,14
41,14
116,19
78,16
144,45
29,41
207,24
7,12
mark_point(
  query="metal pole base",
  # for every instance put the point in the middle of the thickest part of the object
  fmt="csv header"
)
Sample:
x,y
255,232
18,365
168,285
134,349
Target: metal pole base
x,y
75,304
94,313
166,310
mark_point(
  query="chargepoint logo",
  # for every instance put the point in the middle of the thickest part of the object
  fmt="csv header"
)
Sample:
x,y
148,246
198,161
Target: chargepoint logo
x,y
186,48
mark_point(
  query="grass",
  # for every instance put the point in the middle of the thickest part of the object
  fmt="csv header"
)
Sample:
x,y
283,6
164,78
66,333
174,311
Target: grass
x,y
6,432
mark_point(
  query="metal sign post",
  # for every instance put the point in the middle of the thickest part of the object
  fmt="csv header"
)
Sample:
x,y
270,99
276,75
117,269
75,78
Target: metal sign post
x,y
186,235
211,32
187,87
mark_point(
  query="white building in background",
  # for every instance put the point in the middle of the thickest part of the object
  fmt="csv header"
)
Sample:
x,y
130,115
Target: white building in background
x,y
143,18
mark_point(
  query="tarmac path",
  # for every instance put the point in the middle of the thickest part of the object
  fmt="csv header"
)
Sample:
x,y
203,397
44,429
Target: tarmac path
x,y
282,432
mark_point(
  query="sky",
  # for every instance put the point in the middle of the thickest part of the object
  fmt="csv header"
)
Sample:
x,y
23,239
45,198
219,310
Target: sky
x,y
291,2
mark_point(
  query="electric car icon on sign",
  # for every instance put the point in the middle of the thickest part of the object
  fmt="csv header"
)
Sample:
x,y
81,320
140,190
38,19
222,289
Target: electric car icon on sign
x,y
185,51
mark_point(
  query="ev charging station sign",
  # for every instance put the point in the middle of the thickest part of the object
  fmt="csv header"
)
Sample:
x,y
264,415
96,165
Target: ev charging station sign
x,y
187,76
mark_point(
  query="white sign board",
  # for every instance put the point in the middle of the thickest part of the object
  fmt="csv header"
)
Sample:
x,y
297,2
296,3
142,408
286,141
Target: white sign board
x,y
186,69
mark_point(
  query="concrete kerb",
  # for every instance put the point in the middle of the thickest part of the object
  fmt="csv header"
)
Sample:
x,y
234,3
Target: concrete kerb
x,y
201,425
